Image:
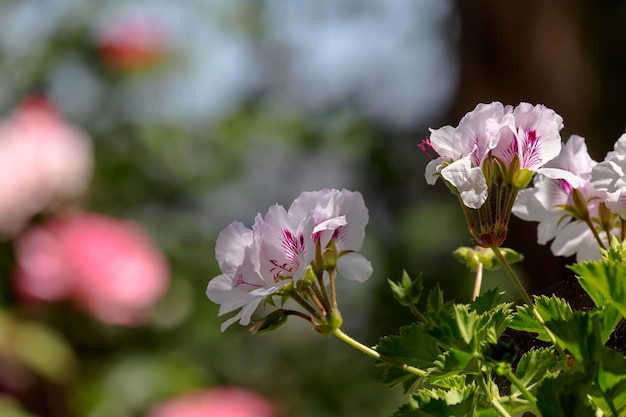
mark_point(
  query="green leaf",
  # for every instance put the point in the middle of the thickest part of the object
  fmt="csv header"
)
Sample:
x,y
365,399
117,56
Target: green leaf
x,y
38,347
395,376
565,396
524,320
534,366
413,346
552,308
580,334
487,300
604,280
453,362
435,304
611,381
500,356
407,291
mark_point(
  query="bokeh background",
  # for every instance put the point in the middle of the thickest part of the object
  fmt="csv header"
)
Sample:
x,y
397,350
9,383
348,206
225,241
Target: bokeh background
x,y
202,112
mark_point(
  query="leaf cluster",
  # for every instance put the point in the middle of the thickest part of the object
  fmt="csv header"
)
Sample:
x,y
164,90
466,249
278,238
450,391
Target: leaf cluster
x,y
473,366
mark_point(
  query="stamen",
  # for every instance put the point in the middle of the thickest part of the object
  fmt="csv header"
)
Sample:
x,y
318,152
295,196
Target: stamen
x,y
427,147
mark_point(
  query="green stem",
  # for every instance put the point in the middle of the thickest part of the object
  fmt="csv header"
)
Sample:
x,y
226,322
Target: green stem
x,y
478,281
494,402
308,307
594,231
333,292
522,389
496,250
527,299
371,352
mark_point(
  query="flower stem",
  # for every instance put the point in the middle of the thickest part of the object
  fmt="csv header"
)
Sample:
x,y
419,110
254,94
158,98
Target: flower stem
x,y
522,389
527,298
494,402
594,231
308,307
371,352
333,292
478,281
516,280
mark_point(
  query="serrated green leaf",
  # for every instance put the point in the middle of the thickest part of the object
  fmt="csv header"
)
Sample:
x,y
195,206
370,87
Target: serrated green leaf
x,y
604,280
435,303
413,346
466,322
565,395
534,366
487,300
453,362
580,334
394,376
611,380
553,308
525,321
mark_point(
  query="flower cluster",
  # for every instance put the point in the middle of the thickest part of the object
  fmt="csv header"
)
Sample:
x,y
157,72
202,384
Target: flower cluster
x,y
489,157
580,213
292,253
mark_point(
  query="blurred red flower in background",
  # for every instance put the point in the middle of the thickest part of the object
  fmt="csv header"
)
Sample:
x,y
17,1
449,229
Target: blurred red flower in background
x,y
132,43
109,267
218,402
44,163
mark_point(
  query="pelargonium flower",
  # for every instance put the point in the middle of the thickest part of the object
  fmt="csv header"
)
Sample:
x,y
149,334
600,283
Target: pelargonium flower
x,y
218,402
339,216
109,267
287,253
565,202
241,284
530,141
47,160
489,157
610,175
461,151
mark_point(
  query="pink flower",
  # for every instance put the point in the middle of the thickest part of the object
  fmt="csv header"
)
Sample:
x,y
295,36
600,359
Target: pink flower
x,y
107,266
132,44
48,162
217,402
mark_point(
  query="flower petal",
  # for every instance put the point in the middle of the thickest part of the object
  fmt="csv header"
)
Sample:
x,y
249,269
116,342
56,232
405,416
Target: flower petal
x,y
355,267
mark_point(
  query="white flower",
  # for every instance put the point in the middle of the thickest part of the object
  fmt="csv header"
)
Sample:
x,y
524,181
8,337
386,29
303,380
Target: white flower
x,y
340,216
560,200
286,247
610,175
461,151
534,137
281,247
240,285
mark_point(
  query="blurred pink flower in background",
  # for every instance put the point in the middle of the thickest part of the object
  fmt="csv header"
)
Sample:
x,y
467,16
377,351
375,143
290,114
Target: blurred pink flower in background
x,y
44,162
132,43
109,267
217,402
